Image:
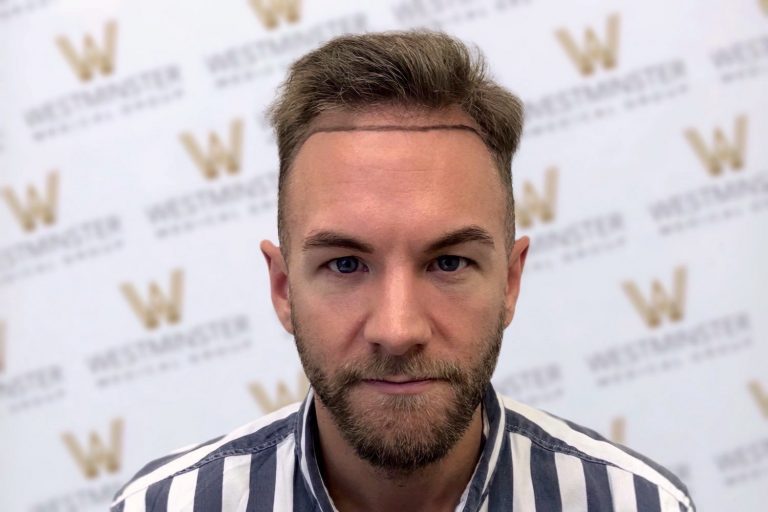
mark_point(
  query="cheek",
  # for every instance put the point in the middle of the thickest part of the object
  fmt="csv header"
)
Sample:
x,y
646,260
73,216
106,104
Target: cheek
x,y
326,320
465,316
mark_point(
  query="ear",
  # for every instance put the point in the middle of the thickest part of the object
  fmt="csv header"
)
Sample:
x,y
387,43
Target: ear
x,y
278,283
514,274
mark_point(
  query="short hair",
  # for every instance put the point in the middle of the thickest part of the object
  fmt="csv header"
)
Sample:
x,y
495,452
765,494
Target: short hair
x,y
412,69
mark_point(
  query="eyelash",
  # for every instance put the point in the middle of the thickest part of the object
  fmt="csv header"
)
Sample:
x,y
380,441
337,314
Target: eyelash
x,y
466,262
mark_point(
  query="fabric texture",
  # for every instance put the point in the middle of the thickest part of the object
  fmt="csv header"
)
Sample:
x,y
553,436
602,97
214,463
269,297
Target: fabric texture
x,y
531,462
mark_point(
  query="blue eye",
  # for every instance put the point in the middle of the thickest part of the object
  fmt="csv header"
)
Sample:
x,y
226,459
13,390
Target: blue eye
x,y
346,265
451,263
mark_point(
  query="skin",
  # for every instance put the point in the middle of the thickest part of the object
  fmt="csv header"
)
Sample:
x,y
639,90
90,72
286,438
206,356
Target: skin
x,y
395,192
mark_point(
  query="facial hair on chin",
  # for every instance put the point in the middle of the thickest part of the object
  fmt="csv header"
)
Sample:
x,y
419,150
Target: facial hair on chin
x,y
401,434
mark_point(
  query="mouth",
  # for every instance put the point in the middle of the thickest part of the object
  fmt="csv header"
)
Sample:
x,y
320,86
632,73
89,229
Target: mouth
x,y
400,385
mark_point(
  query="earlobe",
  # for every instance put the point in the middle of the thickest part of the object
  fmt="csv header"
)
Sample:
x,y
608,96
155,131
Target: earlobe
x,y
514,275
278,283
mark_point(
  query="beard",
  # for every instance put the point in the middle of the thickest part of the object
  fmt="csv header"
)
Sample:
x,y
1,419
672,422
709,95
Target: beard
x,y
402,433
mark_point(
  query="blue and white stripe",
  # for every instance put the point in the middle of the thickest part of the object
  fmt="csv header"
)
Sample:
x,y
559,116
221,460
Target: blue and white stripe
x,y
531,462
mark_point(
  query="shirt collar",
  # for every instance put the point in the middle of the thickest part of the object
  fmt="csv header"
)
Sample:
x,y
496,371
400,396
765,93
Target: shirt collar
x,y
475,493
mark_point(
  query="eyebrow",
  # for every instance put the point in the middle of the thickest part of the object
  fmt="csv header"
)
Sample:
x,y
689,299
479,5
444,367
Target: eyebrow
x,y
332,239
462,236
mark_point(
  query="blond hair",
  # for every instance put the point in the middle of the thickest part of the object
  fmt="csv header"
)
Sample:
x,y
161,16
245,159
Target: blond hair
x,y
418,69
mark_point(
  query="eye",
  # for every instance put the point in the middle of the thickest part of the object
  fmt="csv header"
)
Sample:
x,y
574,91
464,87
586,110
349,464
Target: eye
x,y
345,265
451,263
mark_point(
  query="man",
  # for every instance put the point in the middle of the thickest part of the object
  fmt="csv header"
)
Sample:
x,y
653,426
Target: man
x,y
397,272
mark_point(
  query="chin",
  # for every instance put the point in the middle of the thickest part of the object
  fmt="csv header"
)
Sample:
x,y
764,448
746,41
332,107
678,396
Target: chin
x,y
402,433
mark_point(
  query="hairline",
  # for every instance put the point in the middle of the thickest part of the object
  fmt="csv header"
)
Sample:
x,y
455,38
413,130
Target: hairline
x,y
390,128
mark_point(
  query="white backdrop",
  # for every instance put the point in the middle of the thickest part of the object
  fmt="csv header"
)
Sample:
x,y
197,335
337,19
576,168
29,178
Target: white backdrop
x,y
137,176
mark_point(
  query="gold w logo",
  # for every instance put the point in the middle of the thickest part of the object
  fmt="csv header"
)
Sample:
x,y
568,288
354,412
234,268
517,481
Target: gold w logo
x,y
764,4
270,11
283,396
218,155
96,456
723,152
594,50
760,396
533,204
93,58
37,208
619,430
660,303
158,305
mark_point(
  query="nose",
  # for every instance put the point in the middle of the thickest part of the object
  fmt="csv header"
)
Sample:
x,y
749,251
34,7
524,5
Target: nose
x,y
398,322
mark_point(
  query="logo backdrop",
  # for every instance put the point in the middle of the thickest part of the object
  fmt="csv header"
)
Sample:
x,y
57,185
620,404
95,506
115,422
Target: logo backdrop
x,y
137,177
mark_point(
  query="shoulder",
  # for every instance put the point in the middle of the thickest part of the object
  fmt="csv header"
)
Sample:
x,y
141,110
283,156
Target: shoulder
x,y
568,442
244,445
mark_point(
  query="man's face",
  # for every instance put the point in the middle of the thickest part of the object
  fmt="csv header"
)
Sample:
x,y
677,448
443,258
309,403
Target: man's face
x,y
397,284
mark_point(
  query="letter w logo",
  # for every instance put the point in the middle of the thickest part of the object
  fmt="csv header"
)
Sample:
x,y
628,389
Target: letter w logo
x,y
283,395
593,50
218,155
37,207
96,455
93,58
533,204
660,303
270,11
618,430
158,305
760,396
724,152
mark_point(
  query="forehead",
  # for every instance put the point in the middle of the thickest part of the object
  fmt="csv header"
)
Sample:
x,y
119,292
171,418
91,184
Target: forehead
x,y
393,173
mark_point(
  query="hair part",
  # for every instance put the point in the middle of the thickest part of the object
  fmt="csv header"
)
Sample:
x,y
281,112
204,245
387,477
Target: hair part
x,y
411,69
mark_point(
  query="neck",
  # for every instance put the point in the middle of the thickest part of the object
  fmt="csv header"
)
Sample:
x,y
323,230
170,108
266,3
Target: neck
x,y
354,484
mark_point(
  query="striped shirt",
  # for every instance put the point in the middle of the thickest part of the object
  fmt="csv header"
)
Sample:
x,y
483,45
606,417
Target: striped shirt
x,y
531,462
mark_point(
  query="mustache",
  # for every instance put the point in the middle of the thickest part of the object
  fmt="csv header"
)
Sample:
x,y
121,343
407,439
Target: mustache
x,y
412,367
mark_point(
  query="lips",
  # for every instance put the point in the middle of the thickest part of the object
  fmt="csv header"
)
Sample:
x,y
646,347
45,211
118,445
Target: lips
x,y
400,385
401,380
